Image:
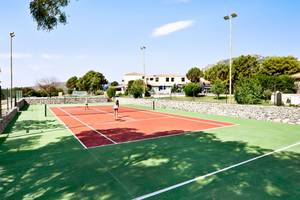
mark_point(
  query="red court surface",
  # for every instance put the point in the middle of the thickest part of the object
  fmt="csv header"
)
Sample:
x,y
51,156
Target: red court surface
x,y
97,127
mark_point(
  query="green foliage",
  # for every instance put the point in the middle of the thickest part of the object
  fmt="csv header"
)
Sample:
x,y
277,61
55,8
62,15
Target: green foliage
x,y
275,66
91,82
114,83
218,88
244,66
99,92
248,91
137,88
72,83
111,92
192,89
283,83
266,95
175,88
127,92
218,72
48,13
194,74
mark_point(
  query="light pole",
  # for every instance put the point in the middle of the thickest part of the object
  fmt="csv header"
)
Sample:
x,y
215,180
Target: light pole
x,y
143,48
12,34
230,17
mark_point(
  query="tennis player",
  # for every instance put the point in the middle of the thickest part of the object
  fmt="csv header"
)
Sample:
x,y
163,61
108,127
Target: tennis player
x,y
116,109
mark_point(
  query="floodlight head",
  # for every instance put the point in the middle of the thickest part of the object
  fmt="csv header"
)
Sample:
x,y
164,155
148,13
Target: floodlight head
x,y
143,47
233,15
226,17
12,34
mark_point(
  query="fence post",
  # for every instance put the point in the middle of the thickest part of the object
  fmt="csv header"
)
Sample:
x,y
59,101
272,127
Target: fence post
x,y
45,110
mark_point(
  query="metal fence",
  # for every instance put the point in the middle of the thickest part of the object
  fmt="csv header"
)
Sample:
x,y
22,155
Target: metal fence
x,y
8,100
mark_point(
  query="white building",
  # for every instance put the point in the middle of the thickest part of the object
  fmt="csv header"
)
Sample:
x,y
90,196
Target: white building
x,y
160,84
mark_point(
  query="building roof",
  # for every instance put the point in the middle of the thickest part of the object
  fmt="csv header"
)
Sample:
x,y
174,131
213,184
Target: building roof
x,y
167,75
134,74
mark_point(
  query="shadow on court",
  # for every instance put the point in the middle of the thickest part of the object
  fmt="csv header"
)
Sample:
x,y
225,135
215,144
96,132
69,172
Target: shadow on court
x,y
61,168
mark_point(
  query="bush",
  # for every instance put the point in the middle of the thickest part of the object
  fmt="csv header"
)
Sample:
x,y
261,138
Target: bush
x,y
137,88
218,88
99,92
266,95
111,92
248,91
192,89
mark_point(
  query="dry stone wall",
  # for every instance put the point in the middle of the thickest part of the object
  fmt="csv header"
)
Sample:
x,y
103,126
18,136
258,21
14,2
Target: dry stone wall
x,y
290,115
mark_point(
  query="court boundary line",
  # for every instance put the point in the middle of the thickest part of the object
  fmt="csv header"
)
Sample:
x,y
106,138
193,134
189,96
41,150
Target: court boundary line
x,y
172,187
163,136
90,127
212,122
103,111
58,119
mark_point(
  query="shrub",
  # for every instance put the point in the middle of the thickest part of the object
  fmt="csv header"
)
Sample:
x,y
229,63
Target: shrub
x,y
137,88
266,95
218,88
111,92
248,91
99,92
192,89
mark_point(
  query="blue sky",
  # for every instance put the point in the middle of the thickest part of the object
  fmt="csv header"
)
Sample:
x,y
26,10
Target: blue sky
x,y
105,35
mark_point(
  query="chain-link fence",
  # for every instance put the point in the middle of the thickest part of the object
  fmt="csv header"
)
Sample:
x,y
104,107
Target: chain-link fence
x,y
8,100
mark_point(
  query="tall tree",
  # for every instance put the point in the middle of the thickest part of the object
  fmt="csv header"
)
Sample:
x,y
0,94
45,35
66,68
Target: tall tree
x,y
114,83
280,65
218,72
72,82
48,13
194,74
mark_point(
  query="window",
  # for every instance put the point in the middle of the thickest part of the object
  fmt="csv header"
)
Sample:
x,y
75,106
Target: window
x,y
157,79
172,79
151,79
147,79
143,77
167,79
182,79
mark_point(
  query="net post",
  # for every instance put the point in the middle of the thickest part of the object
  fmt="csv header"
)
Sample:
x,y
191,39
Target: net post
x,y
45,110
153,105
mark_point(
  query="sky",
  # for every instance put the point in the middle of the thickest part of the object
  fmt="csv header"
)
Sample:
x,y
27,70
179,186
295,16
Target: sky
x,y
106,36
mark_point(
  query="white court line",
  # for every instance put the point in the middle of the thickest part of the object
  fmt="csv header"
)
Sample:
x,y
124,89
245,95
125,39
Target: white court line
x,y
103,111
88,125
67,128
212,173
163,136
182,118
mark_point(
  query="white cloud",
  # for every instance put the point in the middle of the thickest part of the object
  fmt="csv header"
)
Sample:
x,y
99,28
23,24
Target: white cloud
x,y
51,56
172,27
15,56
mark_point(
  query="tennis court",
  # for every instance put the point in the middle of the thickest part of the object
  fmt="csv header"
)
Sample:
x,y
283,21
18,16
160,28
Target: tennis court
x,y
161,154
96,126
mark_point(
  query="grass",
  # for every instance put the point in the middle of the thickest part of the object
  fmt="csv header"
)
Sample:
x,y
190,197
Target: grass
x,y
48,162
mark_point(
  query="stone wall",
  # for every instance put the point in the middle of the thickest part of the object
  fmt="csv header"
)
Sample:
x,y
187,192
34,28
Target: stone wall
x,y
8,117
289,115
64,100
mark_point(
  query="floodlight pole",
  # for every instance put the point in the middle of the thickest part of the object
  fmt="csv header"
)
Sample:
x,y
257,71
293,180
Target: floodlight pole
x,y
12,34
230,17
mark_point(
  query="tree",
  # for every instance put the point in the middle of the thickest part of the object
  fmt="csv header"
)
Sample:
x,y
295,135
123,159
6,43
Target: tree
x,y
129,84
244,66
275,66
137,88
72,83
48,13
194,74
111,92
91,82
47,85
218,72
218,88
192,89
114,83
248,91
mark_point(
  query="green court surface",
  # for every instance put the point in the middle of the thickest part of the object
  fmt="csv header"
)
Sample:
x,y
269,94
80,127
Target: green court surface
x,y
40,159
